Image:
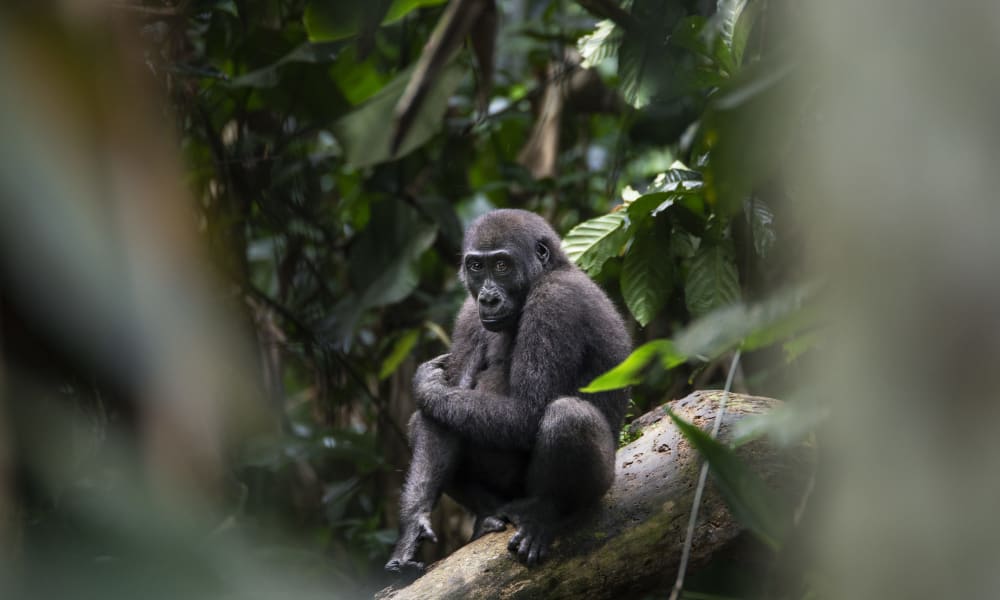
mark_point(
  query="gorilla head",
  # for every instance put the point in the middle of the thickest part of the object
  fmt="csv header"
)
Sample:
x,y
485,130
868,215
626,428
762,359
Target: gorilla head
x,y
504,253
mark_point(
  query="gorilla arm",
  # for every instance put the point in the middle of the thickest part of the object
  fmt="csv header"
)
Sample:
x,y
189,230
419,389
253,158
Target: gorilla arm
x,y
546,363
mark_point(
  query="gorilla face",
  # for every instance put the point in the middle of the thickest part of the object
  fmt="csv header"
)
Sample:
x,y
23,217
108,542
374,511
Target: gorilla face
x,y
505,253
498,282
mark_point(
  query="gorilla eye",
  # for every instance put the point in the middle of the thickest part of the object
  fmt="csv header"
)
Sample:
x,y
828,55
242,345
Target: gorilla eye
x,y
501,266
475,265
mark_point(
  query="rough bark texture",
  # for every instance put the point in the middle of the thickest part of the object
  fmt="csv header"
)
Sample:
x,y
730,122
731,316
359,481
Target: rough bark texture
x,y
633,541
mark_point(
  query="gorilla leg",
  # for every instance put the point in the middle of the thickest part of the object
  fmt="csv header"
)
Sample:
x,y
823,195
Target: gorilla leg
x,y
482,503
486,479
572,466
435,455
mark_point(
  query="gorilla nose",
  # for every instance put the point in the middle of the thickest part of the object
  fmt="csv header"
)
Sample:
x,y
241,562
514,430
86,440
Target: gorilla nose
x,y
489,300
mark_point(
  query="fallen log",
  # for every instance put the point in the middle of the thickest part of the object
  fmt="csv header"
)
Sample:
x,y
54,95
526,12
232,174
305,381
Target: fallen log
x,y
632,542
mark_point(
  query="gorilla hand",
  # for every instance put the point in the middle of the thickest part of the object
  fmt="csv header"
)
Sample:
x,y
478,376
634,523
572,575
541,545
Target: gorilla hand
x,y
430,384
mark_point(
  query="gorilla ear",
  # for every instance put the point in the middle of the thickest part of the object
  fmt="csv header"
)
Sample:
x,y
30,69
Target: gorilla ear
x,y
542,252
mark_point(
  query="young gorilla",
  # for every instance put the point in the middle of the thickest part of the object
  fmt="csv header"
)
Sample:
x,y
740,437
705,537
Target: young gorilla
x,y
502,427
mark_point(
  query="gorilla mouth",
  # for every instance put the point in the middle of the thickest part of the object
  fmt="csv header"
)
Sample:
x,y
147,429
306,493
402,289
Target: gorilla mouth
x,y
495,322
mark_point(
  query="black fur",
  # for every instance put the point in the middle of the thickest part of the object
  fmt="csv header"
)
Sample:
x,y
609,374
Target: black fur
x,y
501,425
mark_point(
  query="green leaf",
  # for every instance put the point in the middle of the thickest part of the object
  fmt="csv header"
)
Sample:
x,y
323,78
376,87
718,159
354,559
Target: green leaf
x,y
752,503
401,8
741,32
676,185
800,344
645,205
727,15
357,80
596,46
645,279
761,220
400,350
591,243
785,314
270,75
724,26
383,262
630,371
750,131
383,258
772,323
331,20
366,132
690,35
712,281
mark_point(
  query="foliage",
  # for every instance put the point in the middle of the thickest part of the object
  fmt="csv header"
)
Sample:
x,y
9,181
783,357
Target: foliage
x,y
334,166
349,245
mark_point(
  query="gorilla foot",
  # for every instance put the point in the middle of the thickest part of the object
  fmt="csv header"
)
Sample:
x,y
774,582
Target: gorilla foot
x,y
537,523
414,531
398,565
424,530
531,543
486,525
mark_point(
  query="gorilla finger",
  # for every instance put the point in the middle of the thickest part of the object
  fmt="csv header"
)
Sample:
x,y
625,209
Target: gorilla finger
x,y
524,549
515,542
534,554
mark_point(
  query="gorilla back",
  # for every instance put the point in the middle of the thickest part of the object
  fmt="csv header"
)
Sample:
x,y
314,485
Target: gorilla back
x,y
501,425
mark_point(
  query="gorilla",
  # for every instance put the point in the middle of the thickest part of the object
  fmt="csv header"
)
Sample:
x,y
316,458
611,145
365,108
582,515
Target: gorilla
x,y
501,425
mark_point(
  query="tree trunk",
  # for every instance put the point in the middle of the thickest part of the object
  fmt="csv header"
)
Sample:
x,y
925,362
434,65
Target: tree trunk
x,y
633,541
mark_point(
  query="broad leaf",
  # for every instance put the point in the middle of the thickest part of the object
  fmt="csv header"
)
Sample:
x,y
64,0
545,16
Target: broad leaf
x,y
690,35
800,344
647,69
330,20
761,220
726,18
712,281
748,124
741,32
591,243
270,76
383,258
400,350
401,8
724,27
596,46
784,315
746,494
357,80
366,132
676,185
645,279
630,371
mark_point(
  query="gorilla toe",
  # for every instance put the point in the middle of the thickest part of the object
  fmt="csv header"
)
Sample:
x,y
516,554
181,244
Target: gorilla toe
x,y
399,565
531,544
486,525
